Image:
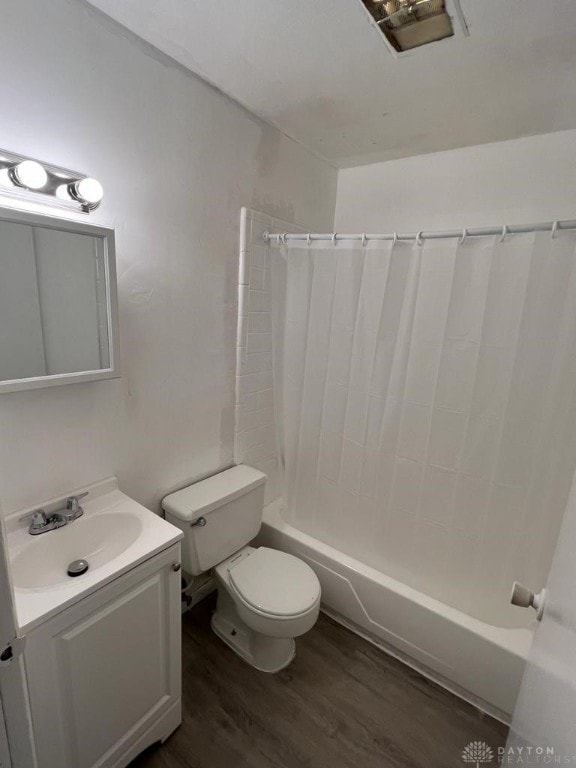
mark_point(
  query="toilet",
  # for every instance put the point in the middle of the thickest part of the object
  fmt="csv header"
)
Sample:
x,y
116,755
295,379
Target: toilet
x,y
266,598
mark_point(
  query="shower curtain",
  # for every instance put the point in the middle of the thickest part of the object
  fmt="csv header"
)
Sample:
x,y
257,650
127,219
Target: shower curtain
x,y
425,402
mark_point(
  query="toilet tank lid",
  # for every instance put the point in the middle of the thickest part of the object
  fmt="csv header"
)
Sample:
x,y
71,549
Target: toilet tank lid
x,y
196,500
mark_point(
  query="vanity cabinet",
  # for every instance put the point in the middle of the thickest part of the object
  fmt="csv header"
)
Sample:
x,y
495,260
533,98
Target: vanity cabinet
x,y
104,676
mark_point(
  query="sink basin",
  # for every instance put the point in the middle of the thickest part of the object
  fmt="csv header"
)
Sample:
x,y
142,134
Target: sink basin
x,y
114,535
44,561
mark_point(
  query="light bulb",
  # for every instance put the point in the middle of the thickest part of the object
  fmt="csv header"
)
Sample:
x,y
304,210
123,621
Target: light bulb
x,y
29,174
88,191
63,193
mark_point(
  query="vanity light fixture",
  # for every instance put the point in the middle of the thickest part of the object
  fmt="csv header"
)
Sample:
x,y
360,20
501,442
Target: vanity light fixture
x,y
29,179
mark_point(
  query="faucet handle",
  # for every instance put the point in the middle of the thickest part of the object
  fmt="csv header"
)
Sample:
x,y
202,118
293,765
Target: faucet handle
x,y
73,502
38,518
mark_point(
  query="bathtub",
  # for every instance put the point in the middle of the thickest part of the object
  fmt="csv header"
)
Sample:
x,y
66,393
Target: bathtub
x,y
477,661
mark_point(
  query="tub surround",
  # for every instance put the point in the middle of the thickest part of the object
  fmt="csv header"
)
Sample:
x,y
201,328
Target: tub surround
x,y
254,427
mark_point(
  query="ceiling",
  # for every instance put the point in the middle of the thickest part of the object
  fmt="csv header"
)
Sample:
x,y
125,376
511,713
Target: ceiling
x,y
321,72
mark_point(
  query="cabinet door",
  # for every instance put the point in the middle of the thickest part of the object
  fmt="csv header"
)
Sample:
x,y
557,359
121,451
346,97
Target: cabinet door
x,y
102,672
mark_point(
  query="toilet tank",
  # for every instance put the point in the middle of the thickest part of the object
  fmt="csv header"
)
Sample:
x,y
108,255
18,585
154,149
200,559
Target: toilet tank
x,y
219,516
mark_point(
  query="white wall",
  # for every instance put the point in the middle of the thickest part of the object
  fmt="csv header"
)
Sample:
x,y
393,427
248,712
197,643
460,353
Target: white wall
x,y
511,182
177,161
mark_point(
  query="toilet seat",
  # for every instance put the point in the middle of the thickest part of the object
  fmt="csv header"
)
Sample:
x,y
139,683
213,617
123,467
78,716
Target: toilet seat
x,y
275,583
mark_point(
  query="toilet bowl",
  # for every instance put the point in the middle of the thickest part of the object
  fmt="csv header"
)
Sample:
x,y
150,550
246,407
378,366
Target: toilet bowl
x,y
266,597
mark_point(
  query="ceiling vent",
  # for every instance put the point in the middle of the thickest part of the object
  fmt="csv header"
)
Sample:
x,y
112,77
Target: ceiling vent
x,y
408,24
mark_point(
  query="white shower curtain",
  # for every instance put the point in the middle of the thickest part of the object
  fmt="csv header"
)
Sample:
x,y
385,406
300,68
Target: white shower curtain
x,y
426,406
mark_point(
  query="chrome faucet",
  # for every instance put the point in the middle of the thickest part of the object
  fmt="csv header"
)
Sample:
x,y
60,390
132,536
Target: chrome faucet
x,y
41,522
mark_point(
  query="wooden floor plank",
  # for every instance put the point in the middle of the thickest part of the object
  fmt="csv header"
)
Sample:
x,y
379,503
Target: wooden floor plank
x,y
342,703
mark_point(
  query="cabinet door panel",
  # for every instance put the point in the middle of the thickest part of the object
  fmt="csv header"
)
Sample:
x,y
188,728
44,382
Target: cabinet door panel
x,y
113,668
100,674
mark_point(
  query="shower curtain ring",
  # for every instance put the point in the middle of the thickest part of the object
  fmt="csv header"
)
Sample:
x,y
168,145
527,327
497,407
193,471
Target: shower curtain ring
x,y
464,236
395,238
283,238
554,229
334,238
504,233
419,240
364,238
308,239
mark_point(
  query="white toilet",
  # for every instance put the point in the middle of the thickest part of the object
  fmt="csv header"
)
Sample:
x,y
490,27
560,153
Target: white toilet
x,y
266,598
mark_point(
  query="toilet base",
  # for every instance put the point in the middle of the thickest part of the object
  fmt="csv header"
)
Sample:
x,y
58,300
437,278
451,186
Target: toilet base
x,y
267,654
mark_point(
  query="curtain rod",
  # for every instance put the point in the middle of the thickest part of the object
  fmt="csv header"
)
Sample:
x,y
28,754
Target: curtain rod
x,y
513,229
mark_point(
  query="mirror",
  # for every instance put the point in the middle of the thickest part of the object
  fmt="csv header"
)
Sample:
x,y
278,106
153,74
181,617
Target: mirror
x,y
58,302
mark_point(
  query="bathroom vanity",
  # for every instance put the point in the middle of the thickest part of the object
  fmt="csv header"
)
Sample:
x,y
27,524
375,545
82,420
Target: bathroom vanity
x,y
90,633
102,650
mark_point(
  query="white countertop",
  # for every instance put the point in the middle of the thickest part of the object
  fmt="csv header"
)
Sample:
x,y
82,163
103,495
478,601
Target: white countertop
x,y
35,605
